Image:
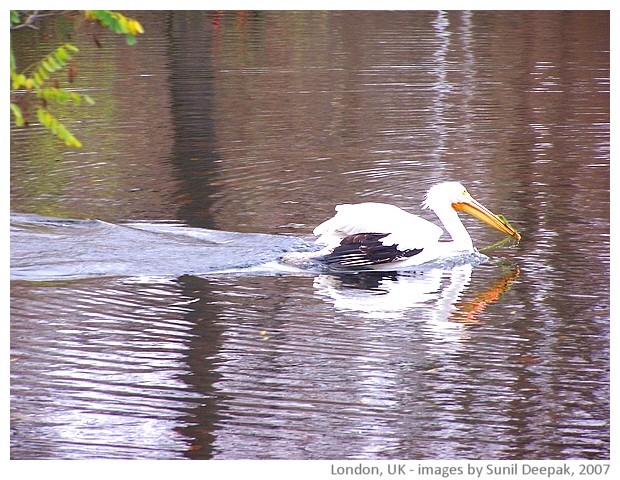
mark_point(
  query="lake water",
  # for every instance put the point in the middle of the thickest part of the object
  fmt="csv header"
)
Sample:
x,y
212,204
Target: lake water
x,y
151,317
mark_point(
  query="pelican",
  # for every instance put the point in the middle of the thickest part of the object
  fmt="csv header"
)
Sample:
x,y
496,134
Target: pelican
x,y
379,235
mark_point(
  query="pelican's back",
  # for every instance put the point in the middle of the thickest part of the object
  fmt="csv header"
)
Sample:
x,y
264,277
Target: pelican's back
x,y
404,229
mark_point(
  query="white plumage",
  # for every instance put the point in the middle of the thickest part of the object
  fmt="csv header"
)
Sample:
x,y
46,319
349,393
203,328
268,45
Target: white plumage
x,y
379,234
405,229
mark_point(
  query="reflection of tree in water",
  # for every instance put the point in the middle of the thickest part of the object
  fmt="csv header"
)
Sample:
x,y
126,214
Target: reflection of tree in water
x,y
201,422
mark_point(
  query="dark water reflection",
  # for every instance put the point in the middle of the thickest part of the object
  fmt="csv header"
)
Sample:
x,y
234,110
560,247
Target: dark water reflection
x,y
240,367
140,340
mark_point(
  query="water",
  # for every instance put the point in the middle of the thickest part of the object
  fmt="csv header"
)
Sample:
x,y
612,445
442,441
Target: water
x,y
151,317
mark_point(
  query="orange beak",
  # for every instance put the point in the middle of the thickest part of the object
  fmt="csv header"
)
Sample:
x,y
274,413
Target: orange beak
x,y
476,209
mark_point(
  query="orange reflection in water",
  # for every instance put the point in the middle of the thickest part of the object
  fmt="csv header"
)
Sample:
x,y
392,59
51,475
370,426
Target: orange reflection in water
x,y
468,312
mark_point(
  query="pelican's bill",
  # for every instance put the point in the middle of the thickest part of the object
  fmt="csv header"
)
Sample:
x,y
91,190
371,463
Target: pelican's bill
x,y
476,209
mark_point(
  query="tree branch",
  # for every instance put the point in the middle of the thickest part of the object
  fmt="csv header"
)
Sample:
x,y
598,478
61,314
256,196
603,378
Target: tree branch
x,y
34,17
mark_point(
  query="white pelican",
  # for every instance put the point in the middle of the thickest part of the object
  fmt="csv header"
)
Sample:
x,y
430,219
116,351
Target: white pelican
x,y
378,235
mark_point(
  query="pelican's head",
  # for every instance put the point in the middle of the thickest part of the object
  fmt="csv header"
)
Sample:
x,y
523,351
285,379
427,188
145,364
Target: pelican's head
x,y
456,195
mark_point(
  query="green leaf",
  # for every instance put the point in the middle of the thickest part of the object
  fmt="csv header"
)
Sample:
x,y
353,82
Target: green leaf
x,y
19,80
57,128
33,78
17,114
43,72
55,64
41,116
38,79
118,23
62,55
15,17
47,66
73,142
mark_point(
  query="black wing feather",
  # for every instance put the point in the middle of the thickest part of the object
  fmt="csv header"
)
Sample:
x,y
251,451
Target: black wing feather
x,y
366,249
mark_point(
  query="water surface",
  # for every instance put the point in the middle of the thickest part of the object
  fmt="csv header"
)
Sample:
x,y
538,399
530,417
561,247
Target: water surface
x,y
151,317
